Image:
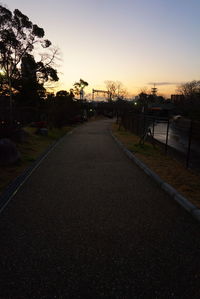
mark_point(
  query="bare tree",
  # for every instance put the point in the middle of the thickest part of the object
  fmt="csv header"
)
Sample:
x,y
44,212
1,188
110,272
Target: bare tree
x,y
115,89
111,88
189,104
121,90
144,90
190,89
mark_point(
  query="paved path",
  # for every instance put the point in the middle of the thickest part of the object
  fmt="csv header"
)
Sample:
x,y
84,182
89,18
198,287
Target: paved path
x,y
88,223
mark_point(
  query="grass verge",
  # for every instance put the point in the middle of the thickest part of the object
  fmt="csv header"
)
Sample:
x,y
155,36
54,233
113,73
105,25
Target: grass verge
x,y
30,150
170,170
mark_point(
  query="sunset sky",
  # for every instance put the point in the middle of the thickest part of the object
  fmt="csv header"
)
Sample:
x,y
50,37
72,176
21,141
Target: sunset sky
x,y
137,42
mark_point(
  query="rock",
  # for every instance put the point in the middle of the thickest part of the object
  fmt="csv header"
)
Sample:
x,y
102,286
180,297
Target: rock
x,y
8,152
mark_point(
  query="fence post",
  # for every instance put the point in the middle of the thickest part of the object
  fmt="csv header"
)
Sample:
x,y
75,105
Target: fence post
x,y
189,144
153,125
138,124
167,136
133,124
130,123
144,124
117,121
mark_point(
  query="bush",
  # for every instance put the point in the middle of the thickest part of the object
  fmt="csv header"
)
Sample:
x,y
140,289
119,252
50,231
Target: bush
x,y
8,152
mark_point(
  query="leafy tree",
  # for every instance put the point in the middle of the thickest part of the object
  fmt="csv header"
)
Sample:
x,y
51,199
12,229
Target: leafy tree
x,y
18,37
146,99
29,86
79,88
62,93
63,109
36,74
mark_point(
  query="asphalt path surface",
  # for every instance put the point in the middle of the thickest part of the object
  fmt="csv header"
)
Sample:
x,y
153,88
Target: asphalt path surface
x,y
88,223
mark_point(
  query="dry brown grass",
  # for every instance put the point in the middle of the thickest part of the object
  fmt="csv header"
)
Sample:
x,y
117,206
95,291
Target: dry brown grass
x,y
170,170
30,150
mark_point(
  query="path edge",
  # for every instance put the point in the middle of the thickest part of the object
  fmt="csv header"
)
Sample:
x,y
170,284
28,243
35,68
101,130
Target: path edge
x,y
17,183
180,199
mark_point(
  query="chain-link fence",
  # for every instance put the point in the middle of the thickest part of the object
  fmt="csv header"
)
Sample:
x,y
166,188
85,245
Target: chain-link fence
x,y
177,136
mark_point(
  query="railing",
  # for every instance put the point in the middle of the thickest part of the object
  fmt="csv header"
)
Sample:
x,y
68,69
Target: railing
x,y
179,137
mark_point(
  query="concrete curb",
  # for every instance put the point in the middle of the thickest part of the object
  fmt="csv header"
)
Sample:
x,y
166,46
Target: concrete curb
x,y
15,185
184,202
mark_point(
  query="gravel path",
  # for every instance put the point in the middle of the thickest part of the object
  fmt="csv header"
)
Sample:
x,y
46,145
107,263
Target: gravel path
x,y
88,223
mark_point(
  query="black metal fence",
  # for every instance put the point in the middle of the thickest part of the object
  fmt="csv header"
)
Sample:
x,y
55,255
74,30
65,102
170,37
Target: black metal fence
x,y
177,136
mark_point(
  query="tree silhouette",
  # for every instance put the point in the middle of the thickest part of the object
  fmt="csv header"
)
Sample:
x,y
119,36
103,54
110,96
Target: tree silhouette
x,y
62,93
79,88
189,103
115,89
18,37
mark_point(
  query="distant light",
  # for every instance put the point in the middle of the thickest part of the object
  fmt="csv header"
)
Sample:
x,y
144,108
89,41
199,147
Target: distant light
x,y
135,103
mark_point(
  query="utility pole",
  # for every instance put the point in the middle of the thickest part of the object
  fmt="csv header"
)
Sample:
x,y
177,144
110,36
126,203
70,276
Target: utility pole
x,y
101,91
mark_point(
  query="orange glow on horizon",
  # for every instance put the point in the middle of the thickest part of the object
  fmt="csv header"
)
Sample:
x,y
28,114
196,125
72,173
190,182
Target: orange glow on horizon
x,y
147,41
132,91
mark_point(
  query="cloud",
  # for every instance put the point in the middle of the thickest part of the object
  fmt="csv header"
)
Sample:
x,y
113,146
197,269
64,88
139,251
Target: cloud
x,y
163,83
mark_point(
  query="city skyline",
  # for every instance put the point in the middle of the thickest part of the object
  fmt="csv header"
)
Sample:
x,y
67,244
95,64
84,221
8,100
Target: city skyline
x,y
138,43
